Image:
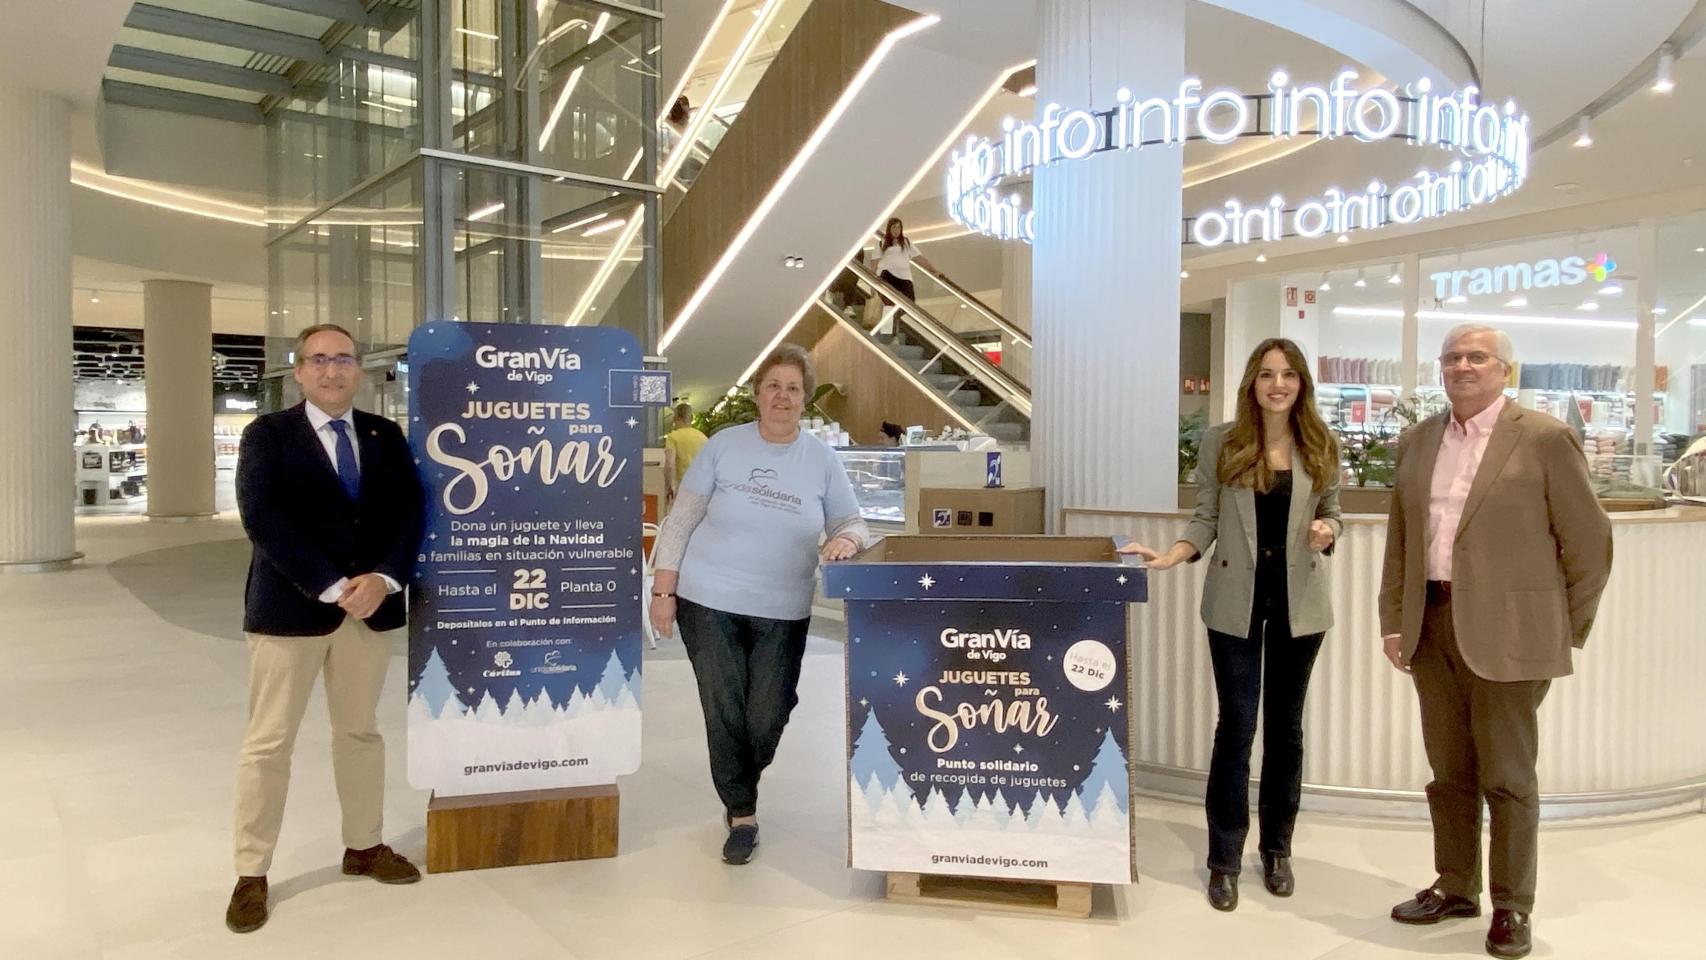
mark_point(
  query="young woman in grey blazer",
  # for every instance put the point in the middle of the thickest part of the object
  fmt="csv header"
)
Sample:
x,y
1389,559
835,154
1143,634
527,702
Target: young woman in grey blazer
x,y
1268,501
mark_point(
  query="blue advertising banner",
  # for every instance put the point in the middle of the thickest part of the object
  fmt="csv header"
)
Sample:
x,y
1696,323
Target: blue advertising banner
x,y
524,645
987,718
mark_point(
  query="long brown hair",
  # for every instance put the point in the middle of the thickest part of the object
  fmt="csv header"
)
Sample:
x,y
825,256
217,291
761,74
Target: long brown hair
x,y
1243,457
890,240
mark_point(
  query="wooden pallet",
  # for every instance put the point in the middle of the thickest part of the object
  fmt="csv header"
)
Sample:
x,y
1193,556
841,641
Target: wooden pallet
x,y
1057,899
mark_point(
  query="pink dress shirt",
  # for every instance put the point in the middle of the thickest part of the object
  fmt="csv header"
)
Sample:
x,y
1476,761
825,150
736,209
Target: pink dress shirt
x,y
1460,452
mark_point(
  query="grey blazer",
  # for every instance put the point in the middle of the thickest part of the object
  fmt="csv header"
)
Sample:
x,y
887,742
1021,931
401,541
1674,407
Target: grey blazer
x,y
1226,518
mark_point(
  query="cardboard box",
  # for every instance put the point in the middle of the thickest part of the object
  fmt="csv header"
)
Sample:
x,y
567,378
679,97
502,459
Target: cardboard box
x,y
988,706
980,510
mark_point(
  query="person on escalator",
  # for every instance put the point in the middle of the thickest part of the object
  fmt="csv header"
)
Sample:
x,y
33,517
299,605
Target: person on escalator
x,y
672,132
894,266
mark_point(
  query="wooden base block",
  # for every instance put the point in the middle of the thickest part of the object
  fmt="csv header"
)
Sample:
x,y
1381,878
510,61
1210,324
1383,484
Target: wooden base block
x,y
512,829
1059,899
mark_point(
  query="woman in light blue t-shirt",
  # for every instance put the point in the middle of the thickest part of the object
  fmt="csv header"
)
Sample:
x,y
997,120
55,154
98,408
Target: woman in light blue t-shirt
x,y
736,565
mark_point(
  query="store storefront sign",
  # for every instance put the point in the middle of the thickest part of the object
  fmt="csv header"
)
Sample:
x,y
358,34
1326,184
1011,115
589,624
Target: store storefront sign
x,y
1492,143
1514,277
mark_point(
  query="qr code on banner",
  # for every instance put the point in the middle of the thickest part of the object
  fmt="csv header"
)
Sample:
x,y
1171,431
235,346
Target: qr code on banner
x,y
653,388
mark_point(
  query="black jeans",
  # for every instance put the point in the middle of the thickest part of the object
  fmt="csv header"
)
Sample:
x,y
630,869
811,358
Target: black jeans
x,y
748,670
1238,680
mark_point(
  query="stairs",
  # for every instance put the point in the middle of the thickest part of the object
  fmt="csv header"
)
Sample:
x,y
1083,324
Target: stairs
x,y
944,376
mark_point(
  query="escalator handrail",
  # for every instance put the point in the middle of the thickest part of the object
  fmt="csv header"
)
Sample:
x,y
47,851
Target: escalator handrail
x,y
997,379
978,306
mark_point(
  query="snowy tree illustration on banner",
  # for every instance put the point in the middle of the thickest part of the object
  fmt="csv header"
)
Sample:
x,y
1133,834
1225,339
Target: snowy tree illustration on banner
x,y
871,758
1108,771
435,688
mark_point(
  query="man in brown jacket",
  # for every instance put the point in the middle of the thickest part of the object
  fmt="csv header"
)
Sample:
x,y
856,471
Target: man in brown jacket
x,y
1496,554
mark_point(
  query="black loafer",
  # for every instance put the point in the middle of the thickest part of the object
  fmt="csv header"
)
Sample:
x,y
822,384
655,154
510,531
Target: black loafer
x,y
1276,875
248,909
737,849
1432,906
1222,890
1511,934
381,863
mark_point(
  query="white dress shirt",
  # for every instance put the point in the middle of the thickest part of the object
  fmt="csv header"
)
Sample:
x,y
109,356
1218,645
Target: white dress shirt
x,y
320,420
1460,451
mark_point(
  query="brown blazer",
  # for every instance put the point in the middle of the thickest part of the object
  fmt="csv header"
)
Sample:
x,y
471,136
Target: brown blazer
x,y
1532,555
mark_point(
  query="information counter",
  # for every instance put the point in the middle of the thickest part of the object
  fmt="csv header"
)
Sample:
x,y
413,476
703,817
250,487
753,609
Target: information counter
x,y
1626,733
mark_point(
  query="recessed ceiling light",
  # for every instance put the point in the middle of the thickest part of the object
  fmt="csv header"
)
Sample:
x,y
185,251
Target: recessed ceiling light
x,y
1396,278
1611,289
1566,186
1361,281
1261,256
1589,305
1659,311
1184,274
1457,298
1344,238
1517,301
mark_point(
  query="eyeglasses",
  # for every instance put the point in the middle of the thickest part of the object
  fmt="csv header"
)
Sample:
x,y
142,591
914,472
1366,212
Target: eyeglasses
x,y
342,361
1475,358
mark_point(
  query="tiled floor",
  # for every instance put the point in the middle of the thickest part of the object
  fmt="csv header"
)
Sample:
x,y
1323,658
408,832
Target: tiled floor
x,y
121,705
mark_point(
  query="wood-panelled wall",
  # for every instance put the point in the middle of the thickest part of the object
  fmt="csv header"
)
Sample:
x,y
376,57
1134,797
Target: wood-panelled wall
x,y
875,391
832,42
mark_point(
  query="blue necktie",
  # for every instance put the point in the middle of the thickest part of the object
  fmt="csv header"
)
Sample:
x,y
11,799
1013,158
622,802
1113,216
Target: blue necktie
x,y
348,473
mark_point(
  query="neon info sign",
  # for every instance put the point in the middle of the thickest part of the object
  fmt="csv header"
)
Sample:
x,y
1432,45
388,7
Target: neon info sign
x,y
1539,275
1493,144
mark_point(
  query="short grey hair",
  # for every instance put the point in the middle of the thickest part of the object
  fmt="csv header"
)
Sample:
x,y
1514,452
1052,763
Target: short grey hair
x,y
1501,340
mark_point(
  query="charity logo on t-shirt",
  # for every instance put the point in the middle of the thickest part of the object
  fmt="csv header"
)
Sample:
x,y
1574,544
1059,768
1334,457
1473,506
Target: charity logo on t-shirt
x,y
760,490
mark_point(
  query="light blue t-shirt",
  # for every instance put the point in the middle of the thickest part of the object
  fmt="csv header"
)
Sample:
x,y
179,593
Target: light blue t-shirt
x,y
756,551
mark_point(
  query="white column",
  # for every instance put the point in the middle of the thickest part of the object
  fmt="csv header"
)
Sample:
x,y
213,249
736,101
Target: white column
x,y
1411,351
1105,315
36,419
177,345
1016,304
1646,297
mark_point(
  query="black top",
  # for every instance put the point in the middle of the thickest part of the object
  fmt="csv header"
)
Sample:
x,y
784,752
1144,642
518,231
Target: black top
x,y
1273,509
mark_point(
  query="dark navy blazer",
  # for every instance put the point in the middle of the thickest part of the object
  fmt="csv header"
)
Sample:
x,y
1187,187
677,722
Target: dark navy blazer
x,y
307,532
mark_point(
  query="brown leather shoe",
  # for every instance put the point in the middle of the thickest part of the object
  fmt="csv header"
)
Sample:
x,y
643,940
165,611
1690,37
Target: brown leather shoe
x,y
1511,934
381,863
248,909
1432,906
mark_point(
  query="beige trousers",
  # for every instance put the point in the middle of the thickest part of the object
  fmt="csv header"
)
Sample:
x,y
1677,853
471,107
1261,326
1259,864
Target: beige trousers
x,y
282,671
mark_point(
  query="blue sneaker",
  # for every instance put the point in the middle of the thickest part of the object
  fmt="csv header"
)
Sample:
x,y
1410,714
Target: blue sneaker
x,y
737,849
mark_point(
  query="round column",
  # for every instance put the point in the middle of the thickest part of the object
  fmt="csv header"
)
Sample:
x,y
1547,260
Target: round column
x,y
177,345
1105,302
37,479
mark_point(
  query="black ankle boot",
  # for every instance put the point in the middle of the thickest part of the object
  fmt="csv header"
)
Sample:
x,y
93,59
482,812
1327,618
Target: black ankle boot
x,y
1222,890
1276,875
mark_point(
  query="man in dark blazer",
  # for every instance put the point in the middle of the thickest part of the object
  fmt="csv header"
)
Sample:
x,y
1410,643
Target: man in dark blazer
x,y
1496,554
333,508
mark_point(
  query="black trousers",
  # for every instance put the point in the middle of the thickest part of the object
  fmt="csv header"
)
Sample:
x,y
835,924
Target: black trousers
x,y
1482,739
1268,668
900,286
748,669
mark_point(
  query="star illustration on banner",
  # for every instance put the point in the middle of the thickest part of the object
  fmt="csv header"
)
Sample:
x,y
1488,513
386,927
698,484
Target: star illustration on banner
x,y
1114,704
632,422
926,581
863,702
432,536
1018,748
473,388
901,678
1121,580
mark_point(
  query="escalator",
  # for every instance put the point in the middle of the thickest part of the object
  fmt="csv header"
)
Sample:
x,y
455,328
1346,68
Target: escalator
x,y
952,362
